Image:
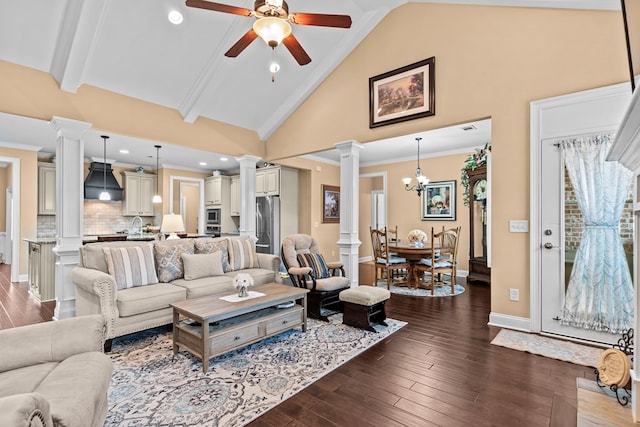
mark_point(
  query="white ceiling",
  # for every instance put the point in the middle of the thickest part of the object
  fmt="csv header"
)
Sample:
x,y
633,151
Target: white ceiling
x,y
131,48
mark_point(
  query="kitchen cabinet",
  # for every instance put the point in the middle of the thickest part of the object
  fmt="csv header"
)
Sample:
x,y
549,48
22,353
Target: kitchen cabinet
x,y
268,181
216,189
46,189
41,270
235,195
139,189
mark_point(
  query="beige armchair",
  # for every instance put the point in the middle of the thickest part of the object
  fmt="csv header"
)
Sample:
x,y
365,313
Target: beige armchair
x,y
54,374
308,269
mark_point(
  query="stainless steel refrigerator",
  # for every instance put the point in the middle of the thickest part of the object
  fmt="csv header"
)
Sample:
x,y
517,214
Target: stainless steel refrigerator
x,y
268,224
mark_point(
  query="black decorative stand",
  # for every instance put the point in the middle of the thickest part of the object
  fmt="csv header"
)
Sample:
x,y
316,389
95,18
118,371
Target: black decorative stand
x,y
625,344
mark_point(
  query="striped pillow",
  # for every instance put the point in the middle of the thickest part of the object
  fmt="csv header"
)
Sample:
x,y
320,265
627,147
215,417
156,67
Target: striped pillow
x,y
316,262
131,266
242,254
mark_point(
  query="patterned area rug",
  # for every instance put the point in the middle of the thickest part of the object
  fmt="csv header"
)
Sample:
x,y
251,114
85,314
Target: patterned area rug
x,y
549,347
440,291
148,388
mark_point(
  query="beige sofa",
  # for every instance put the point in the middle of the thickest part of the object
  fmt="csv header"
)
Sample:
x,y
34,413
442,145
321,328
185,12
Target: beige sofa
x,y
54,374
185,268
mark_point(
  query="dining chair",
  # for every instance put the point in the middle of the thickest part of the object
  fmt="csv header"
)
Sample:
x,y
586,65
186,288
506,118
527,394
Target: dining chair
x,y
384,262
443,259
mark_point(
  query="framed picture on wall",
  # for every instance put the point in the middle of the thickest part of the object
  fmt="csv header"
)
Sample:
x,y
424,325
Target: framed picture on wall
x,y
439,201
402,94
330,203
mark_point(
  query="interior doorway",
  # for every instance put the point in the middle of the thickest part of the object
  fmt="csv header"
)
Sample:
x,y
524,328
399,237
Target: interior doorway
x,y
175,191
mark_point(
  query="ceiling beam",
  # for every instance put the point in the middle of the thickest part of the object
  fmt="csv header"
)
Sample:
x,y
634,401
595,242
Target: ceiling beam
x,y
79,30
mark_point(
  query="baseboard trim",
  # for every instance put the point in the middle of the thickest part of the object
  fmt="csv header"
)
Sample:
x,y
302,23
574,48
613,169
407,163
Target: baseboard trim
x,y
23,277
510,322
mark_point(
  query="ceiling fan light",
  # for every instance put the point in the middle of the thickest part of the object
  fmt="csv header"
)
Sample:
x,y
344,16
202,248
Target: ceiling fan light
x,y
272,30
276,4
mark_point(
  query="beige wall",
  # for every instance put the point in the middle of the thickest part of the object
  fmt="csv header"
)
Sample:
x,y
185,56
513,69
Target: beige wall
x,y
490,62
32,93
28,198
314,175
404,208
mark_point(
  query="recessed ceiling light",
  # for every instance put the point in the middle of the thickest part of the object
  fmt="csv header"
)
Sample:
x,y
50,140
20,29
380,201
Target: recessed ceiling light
x,y
124,151
223,159
203,163
175,17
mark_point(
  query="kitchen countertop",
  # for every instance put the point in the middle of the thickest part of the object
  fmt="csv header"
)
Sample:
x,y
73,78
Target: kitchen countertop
x,y
40,240
91,238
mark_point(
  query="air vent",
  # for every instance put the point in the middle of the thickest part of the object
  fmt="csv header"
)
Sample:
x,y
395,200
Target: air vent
x,y
469,127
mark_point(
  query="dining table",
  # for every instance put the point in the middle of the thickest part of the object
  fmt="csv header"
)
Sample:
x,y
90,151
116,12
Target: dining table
x,y
413,254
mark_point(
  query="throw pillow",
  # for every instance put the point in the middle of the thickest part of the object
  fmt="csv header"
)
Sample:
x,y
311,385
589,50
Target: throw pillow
x,y
169,258
131,266
316,262
208,245
197,266
242,253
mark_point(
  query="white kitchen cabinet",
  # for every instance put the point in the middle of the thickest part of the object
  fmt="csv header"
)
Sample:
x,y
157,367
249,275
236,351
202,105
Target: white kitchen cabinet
x,y
268,181
46,189
139,189
41,270
235,195
214,186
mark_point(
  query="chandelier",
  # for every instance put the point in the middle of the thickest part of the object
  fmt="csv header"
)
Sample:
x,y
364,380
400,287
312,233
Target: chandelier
x,y
420,186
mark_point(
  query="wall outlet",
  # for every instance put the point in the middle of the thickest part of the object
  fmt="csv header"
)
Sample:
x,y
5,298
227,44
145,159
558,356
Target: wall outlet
x,y
518,226
514,295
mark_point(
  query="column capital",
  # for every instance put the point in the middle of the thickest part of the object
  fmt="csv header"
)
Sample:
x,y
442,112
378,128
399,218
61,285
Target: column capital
x,y
69,127
248,159
352,147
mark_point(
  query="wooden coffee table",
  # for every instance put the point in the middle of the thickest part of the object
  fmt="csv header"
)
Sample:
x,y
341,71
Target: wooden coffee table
x,y
209,326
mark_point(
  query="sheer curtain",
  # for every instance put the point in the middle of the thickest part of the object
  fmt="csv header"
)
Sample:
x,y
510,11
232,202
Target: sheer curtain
x,y
600,291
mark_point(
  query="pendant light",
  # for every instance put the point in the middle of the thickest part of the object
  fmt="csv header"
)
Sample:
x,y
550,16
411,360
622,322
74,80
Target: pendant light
x,y
104,196
421,185
157,198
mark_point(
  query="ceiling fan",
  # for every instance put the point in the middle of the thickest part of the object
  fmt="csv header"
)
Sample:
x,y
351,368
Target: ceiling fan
x,y
273,24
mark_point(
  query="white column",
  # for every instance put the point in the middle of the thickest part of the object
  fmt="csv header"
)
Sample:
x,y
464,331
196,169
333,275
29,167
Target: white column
x,y
248,195
349,195
69,209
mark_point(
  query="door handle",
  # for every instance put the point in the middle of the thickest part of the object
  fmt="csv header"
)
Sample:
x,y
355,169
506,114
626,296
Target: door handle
x,y
549,245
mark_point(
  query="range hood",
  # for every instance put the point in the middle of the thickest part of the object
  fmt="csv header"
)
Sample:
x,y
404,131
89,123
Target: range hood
x,y
95,182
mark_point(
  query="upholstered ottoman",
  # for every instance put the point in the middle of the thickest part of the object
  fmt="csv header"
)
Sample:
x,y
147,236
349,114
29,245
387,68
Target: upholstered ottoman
x,y
364,306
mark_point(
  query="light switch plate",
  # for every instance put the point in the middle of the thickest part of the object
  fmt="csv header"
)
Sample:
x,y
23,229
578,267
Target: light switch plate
x,y
518,226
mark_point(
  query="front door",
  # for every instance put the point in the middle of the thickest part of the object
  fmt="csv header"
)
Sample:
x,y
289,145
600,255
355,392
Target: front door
x,y
560,228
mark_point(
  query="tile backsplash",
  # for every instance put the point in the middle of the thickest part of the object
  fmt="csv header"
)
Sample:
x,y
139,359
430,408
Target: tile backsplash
x,y
99,218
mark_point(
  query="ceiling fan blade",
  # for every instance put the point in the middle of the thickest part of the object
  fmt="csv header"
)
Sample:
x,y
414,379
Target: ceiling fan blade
x,y
219,7
321,20
241,44
292,44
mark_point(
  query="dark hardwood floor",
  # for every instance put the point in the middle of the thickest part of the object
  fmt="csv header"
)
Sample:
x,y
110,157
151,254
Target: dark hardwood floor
x,y
440,369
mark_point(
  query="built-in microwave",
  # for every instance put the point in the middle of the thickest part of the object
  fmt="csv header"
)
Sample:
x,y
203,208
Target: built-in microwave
x,y
213,216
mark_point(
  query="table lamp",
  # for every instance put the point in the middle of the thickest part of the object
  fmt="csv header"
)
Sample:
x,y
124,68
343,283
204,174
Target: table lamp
x,y
172,224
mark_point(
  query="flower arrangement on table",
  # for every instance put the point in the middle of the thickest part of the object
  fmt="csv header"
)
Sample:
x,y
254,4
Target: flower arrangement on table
x,y
473,161
241,282
417,237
